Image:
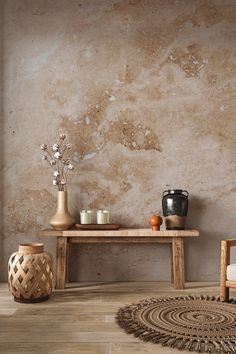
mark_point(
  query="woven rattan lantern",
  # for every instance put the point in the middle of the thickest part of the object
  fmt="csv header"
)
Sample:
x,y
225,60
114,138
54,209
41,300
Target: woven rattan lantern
x,y
30,273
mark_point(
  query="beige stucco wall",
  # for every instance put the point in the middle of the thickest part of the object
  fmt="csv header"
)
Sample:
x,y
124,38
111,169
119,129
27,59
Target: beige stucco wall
x,y
145,90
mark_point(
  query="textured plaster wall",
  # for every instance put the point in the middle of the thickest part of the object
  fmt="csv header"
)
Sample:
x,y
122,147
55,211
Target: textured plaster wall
x,y
145,91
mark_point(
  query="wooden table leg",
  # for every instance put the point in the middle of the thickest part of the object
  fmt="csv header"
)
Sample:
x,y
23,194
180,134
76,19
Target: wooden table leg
x,y
178,262
61,262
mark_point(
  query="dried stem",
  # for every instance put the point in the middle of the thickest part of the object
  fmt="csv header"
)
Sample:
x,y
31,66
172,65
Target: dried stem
x,y
60,166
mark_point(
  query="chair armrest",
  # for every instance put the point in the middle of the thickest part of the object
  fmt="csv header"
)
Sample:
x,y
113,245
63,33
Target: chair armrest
x,y
230,242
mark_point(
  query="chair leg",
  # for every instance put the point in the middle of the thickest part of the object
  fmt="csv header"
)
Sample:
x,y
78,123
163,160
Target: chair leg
x,y
224,293
225,257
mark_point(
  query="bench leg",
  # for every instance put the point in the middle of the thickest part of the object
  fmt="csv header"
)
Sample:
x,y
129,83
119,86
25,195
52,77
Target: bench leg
x,y
61,262
67,261
171,264
178,262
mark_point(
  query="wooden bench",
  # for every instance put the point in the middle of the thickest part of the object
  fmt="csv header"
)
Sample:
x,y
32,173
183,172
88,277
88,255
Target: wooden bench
x,y
139,236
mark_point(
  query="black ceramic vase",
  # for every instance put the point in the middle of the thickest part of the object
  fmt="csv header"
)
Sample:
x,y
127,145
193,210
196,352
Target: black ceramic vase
x,y
175,208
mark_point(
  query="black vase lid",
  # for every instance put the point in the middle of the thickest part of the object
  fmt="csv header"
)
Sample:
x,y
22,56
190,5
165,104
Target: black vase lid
x,y
175,191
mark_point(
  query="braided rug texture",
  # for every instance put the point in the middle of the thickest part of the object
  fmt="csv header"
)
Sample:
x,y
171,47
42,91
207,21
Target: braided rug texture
x,y
195,323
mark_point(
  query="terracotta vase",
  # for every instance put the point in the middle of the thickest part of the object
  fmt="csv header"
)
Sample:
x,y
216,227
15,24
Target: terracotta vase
x,y
62,220
155,221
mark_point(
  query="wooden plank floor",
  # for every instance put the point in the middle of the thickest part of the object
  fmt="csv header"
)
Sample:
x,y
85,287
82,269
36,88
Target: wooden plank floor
x,y
81,320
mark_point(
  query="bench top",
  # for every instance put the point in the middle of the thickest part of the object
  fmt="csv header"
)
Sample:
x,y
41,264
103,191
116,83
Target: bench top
x,y
122,232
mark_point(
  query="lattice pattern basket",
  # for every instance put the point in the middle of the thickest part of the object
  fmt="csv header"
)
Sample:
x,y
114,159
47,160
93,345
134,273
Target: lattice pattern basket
x,y
30,273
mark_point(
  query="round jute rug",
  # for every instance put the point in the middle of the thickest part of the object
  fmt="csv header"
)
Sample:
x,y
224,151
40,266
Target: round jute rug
x,y
195,323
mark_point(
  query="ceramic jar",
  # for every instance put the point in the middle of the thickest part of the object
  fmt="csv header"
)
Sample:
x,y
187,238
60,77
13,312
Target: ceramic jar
x,y
175,208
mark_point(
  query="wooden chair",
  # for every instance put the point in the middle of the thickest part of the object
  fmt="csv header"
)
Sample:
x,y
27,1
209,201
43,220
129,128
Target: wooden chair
x,y
227,271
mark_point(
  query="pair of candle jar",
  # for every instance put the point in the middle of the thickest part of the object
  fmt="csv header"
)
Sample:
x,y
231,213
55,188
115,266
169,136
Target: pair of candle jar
x,y
102,217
